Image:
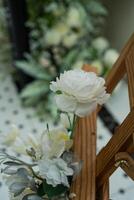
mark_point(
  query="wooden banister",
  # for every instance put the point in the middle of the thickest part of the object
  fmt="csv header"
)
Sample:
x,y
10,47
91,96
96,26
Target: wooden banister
x,y
126,162
85,148
120,141
130,74
119,68
123,139
120,146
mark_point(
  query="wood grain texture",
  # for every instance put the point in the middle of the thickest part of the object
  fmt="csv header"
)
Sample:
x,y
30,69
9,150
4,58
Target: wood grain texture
x,y
118,70
123,138
103,192
120,141
128,165
130,74
85,136
85,148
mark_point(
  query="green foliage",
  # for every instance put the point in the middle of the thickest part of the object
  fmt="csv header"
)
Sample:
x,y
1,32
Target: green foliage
x,y
96,8
61,35
33,69
36,88
51,191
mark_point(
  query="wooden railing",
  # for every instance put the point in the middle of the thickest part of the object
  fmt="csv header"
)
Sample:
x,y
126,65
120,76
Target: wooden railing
x,y
93,182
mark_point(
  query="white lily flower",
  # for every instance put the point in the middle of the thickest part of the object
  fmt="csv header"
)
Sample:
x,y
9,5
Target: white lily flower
x,y
55,143
48,145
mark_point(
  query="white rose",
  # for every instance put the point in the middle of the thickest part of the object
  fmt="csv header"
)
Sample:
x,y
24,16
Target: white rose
x,y
98,65
100,44
79,92
110,57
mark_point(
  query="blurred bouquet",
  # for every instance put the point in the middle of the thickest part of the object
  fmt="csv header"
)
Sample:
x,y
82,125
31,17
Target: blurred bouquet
x,y
63,34
49,165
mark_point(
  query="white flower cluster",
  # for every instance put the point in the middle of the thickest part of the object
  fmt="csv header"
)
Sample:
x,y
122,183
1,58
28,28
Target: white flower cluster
x,y
46,149
49,162
62,31
104,57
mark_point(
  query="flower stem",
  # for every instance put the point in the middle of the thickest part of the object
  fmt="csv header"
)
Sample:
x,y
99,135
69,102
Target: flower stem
x,y
73,126
69,120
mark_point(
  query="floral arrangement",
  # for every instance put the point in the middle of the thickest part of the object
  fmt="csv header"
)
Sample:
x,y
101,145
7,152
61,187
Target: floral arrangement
x,y
62,34
48,165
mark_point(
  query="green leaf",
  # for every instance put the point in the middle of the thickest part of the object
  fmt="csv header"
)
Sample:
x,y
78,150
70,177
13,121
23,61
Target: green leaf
x,y
41,191
70,58
97,8
58,92
33,69
50,190
31,101
36,88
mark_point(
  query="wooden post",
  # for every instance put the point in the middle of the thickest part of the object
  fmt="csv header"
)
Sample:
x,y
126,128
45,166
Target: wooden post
x,y
85,148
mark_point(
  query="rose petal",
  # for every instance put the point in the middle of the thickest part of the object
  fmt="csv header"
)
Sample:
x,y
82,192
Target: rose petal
x,y
65,103
85,109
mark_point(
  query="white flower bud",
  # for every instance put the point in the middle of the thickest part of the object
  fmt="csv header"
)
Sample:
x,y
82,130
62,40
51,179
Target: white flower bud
x,y
110,57
100,44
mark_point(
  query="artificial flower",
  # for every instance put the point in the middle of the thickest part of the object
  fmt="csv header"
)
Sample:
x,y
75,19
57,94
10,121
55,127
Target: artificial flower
x,y
48,144
55,143
19,180
79,92
55,171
